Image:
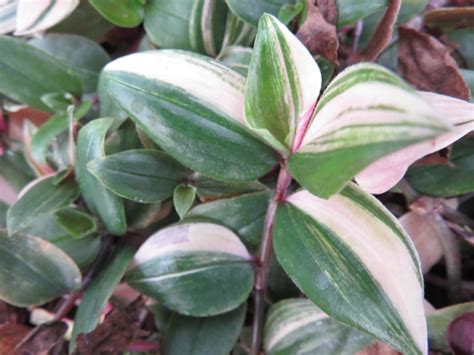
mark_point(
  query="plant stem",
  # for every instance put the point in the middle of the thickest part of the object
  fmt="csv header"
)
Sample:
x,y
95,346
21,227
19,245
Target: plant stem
x,y
261,275
451,254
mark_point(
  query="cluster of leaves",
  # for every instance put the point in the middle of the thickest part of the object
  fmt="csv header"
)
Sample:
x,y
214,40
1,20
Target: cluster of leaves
x,y
155,187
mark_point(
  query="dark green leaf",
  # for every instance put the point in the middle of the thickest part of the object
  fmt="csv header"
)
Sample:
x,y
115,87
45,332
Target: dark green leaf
x,y
349,11
250,11
141,175
197,269
209,189
75,222
27,73
125,137
84,21
40,198
99,291
82,251
54,126
198,336
33,271
444,180
3,214
123,13
465,46
242,214
82,56
468,76
14,169
90,146
183,199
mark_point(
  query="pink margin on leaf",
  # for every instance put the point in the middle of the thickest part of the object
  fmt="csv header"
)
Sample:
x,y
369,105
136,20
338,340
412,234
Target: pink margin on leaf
x,y
385,173
303,122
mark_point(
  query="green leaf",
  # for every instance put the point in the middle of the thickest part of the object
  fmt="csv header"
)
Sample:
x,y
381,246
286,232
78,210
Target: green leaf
x,y
183,199
350,11
283,84
125,137
123,13
27,73
439,321
237,58
39,198
3,214
468,76
243,214
196,269
58,102
297,326
141,175
167,23
54,126
102,202
192,107
209,189
195,25
14,169
349,255
250,11
82,251
463,38
82,57
197,336
43,15
84,21
33,271
99,291
289,11
75,222
352,128
444,180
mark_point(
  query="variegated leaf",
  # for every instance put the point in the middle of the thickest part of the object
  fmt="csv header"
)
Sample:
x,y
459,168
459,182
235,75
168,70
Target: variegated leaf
x,y
39,15
366,112
350,255
297,327
7,15
192,106
385,173
198,269
283,84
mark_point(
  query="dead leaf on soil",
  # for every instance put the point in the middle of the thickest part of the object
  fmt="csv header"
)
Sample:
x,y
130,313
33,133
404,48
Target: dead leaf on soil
x,y
427,64
318,33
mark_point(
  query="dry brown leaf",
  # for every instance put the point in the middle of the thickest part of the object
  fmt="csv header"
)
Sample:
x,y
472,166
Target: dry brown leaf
x,y
423,235
10,335
318,33
119,329
427,64
383,32
42,338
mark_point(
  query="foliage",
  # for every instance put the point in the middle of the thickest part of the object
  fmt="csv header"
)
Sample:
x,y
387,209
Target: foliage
x,y
217,159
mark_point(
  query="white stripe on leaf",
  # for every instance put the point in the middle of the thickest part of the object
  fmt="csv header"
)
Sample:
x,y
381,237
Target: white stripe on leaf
x,y
385,173
201,77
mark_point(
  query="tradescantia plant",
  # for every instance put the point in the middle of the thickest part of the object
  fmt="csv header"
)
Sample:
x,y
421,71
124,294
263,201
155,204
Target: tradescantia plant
x,y
202,128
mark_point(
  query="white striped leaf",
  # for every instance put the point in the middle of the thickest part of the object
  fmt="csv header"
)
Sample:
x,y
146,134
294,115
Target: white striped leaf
x,y
198,269
108,206
385,173
283,84
192,106
7,15
366,112
297,327
354,261
39,15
